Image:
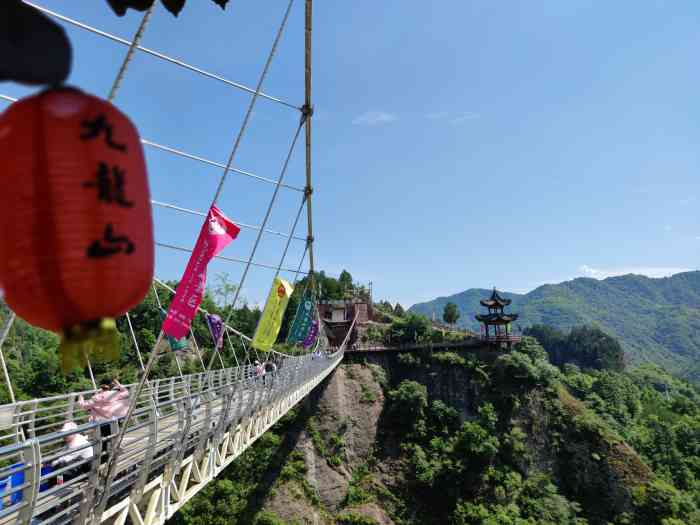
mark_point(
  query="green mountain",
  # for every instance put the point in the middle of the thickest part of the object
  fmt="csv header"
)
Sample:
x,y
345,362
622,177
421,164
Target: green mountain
x,y
656,320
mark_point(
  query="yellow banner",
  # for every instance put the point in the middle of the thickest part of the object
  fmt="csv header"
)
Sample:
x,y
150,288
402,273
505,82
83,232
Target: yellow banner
x,y
271,320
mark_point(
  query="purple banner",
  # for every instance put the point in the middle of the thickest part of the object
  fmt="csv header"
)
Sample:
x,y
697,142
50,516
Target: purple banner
x,y
216,327
313,332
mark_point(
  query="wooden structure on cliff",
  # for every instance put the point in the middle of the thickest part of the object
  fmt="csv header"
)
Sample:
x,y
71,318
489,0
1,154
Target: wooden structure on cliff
x,y
338,317
496,325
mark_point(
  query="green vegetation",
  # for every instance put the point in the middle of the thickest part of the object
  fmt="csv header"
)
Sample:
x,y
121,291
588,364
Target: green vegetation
x,y
550,433
352,518
367,395
656,320
32,353
236,496
586,347
450,314
485,470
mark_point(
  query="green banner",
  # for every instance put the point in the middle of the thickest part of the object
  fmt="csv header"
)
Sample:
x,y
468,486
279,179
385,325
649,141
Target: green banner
x,y
303,319
175,344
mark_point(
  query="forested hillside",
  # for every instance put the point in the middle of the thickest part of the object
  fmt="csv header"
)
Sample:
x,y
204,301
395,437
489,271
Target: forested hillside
x,y
473,438
479,437
656,320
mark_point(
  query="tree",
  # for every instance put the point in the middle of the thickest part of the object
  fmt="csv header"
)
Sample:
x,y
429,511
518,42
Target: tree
x,y
399,311
224,290
450,314
588,347
345,281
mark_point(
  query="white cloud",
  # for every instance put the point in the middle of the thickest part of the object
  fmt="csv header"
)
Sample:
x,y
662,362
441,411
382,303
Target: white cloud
x,y
452,117
649,271
464,117
373,118
438,115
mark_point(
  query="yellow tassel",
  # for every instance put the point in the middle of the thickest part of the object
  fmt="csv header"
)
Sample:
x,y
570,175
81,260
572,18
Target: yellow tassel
x,y
97,339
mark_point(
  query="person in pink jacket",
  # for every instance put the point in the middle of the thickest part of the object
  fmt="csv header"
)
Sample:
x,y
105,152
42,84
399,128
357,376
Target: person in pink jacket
x,y
111,401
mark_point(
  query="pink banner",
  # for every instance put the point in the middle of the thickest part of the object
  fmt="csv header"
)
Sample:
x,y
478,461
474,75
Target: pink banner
x,y
217,231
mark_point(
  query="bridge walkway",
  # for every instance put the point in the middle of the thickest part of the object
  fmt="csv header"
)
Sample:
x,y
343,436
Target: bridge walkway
x,y
184,432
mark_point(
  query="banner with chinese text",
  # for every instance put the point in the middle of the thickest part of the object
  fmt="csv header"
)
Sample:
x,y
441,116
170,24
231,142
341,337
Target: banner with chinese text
x,y
303,319
217,231
271,320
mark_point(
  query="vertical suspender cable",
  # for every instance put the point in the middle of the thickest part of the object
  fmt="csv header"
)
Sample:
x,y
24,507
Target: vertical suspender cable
x,y
267,217
160,310
233,349
262,227
199,354
130,53
289,239
5,332
116,449
253,100
89,367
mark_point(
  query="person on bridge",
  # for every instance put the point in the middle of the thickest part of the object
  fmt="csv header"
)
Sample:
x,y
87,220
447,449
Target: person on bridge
x,y
259,371
111,401
78,449
270,369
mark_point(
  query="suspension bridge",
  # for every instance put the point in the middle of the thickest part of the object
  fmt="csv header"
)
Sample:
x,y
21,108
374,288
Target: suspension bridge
x,y
182,431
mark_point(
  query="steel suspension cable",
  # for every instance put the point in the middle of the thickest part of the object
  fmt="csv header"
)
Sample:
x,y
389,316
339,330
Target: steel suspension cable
x,y
253,100
198,158
290,236
199,353
3,335
157,54
267,217
200,309
233,349
89,367
224,257
189,211
209,162
136,343
116,449
160,312
301,262
130,53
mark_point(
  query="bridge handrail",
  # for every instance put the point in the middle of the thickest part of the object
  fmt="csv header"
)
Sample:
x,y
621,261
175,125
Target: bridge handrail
x,y
212,400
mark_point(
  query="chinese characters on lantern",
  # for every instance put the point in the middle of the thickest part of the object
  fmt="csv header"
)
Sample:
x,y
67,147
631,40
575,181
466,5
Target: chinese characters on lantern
x,y
109,181
110,185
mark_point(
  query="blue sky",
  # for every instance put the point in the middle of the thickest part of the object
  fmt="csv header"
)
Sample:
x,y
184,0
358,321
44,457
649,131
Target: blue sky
x,y
457,144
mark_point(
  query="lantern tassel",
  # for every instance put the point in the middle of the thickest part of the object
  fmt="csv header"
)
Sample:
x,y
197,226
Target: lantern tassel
x,y
97,339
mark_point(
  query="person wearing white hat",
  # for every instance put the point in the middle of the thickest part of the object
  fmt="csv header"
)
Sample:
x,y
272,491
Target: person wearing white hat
x,y
78,447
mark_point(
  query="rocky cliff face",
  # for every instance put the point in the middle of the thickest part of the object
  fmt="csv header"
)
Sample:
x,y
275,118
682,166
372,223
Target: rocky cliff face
x,y
348,464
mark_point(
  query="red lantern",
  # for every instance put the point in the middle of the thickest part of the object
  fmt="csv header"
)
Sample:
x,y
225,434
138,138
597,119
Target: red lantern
x,y
76,235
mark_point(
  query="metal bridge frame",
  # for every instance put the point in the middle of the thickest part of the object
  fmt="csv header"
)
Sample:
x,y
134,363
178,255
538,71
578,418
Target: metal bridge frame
x,y
163,499
184,432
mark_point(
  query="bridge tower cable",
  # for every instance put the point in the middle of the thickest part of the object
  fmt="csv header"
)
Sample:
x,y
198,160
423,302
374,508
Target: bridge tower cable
x,y
110,471
305,121
308,113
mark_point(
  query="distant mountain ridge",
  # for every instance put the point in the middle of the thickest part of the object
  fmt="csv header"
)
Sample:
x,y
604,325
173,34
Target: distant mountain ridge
x,y
656,320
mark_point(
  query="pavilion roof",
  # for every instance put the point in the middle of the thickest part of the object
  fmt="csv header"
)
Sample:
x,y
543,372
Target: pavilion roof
x,y
497,318
495,300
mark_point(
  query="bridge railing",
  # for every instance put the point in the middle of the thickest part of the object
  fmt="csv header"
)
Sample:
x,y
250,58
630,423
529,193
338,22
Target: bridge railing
x,y
174,417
